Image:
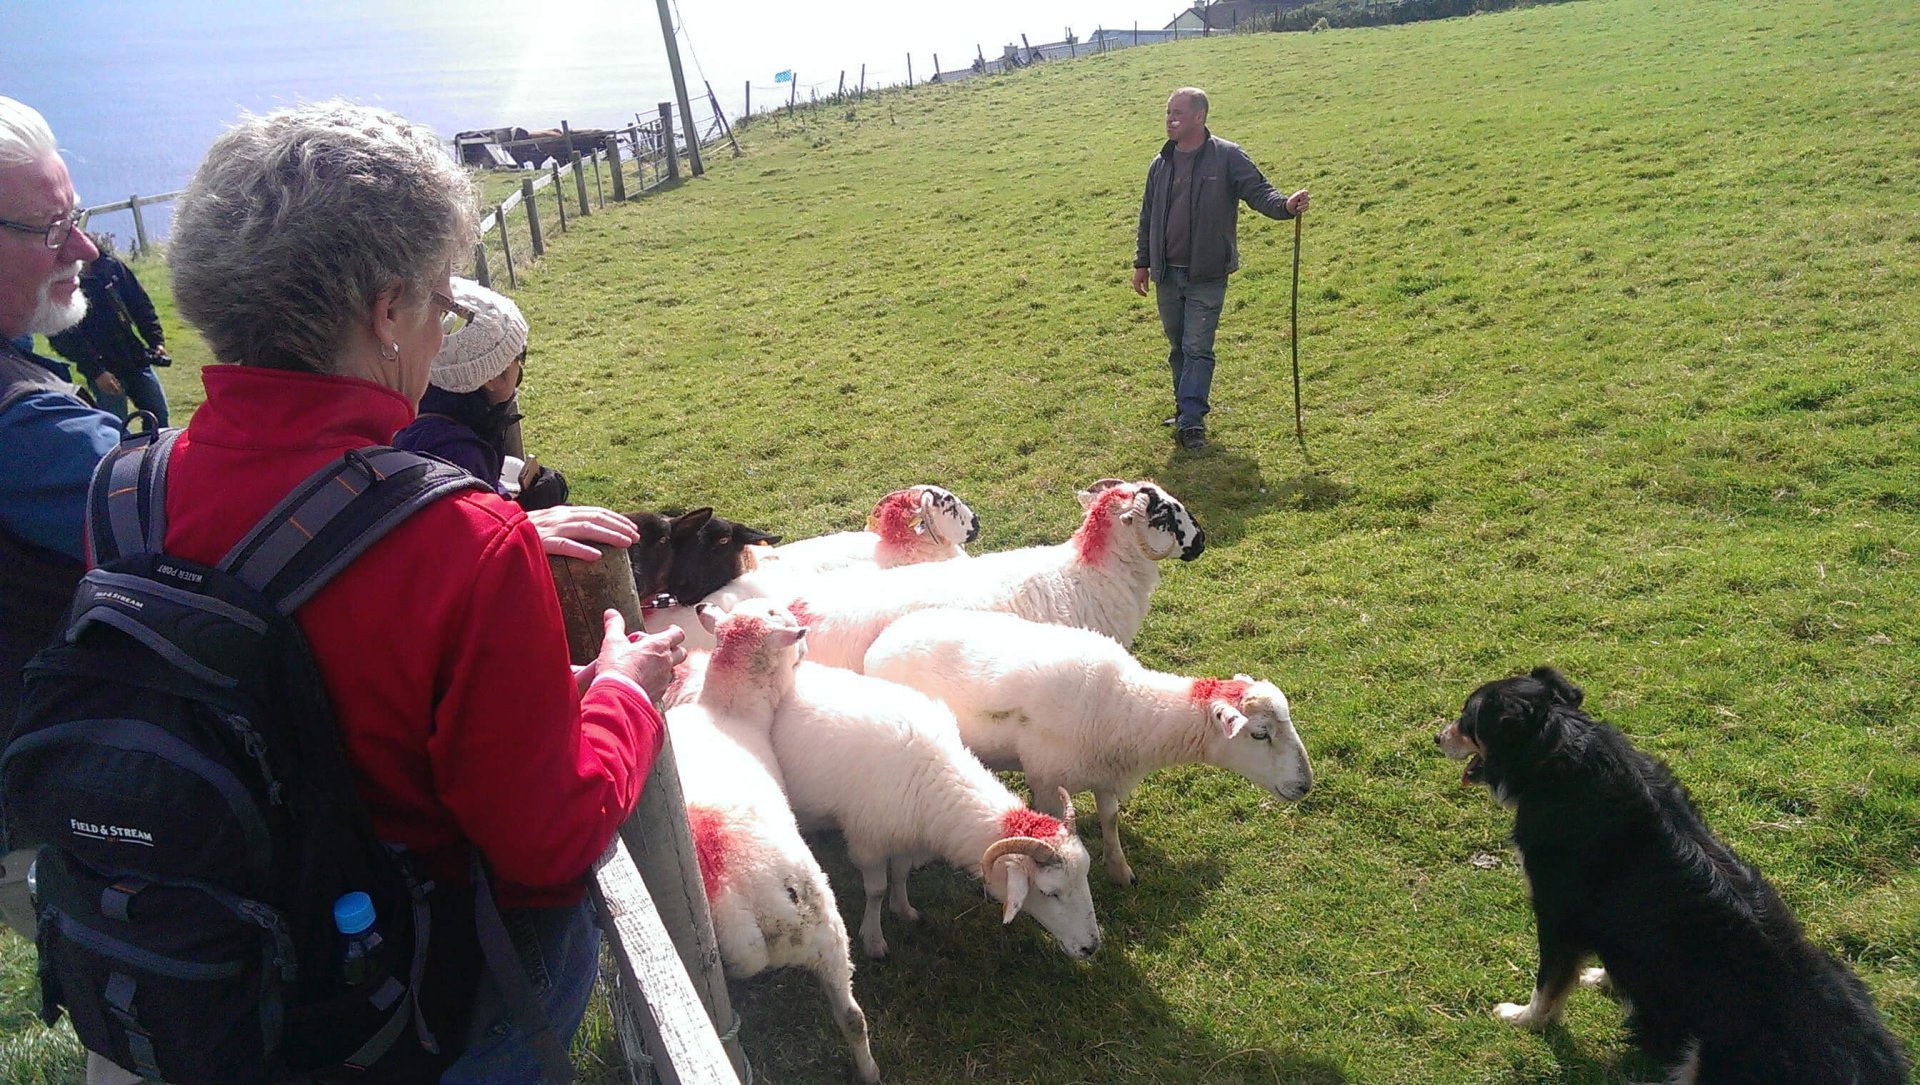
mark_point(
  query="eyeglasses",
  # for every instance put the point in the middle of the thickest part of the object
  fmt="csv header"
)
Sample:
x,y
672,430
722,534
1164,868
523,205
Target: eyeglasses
x,y
56,232
452,313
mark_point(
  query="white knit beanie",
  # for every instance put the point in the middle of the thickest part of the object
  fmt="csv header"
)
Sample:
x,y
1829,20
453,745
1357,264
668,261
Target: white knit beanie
x,y
484,348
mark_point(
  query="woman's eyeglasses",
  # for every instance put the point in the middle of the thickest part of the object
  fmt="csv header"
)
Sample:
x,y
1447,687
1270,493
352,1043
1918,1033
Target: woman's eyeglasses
x,y
453,315
57,232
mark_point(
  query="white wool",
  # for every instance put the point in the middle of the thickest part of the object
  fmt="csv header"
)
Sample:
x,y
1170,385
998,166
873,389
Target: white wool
x,y
885,766
1073,709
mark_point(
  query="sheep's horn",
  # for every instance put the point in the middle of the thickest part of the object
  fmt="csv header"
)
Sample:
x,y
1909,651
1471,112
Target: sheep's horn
x,y
1041,851
1066,804
1106,484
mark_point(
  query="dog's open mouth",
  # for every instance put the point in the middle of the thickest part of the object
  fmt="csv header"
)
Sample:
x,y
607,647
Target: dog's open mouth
x,y
1476,765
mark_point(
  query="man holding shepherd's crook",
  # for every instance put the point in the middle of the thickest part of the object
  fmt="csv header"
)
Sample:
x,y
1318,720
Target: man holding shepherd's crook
x,y
1188,245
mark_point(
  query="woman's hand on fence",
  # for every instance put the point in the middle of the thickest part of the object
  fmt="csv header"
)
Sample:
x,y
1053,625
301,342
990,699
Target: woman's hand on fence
x,y
647,659
566,530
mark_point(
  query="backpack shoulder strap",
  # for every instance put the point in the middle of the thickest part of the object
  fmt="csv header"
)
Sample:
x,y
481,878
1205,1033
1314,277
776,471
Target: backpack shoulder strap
x,y
127,501
334,516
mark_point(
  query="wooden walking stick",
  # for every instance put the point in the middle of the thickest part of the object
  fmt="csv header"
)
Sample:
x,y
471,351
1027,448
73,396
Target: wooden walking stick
x,y
1299,431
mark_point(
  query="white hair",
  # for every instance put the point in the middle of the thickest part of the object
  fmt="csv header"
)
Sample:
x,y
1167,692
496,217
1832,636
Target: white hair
x,y
24,135
297,220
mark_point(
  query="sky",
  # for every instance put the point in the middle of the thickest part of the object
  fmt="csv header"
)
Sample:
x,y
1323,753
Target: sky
x,y
137,89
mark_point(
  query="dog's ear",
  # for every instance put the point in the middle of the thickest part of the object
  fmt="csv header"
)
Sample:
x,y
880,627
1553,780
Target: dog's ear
x,y
1564,691
687,523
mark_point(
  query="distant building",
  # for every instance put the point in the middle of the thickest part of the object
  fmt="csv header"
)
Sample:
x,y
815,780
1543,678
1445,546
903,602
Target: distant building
x,y
1227,14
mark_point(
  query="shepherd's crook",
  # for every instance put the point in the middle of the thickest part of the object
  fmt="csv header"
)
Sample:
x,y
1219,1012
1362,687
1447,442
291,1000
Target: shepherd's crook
x,y
1299,431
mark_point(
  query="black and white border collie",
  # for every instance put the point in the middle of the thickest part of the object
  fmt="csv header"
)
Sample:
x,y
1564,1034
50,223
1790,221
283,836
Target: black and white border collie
x,y
1719,981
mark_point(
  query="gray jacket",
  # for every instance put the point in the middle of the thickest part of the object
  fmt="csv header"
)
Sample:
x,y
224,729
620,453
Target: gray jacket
x,y
1223,175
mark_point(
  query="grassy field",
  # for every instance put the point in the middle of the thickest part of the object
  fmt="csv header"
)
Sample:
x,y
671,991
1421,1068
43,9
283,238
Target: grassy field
x,y
1610,330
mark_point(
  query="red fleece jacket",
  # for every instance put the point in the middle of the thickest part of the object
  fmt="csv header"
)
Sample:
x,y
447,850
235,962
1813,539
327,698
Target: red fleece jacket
x,y
442,646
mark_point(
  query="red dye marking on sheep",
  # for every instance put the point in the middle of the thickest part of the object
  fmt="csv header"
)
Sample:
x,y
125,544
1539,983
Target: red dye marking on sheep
x,y
893,517
1096,531
740,637
1218,689
1025,822
798,608
710,839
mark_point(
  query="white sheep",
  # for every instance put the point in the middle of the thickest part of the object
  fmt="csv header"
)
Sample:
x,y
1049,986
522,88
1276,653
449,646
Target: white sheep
x,y
907,527
1076,712
1101,579
771,904
885,766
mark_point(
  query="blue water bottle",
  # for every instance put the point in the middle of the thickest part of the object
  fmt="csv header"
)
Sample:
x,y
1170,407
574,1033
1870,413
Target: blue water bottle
x,y
359,938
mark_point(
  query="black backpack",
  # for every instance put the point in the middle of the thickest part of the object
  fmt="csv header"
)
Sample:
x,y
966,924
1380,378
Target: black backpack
x,y
176,761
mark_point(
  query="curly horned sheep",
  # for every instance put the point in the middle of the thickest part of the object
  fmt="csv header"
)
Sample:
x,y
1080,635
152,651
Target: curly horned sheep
x,y
771,904
885,766
1076,712
1101,579
907,527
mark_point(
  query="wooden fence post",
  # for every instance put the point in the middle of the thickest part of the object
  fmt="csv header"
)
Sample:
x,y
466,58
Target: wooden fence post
x,y
656,833
843,84
506,248
480,274
139,225
748,98
533,216
559,196
793,92
909,71
863,80
599,189
580,183
936,68
666,141
613,161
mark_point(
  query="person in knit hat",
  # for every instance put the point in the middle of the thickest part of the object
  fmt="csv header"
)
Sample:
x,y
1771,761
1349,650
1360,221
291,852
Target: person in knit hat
x,y
470,405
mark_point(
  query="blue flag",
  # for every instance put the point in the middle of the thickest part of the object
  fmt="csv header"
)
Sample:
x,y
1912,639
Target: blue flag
x,y
783,77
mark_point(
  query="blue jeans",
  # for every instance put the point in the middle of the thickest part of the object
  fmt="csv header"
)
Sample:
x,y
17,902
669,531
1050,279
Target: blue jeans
x,y
1190,314
143,388
560,949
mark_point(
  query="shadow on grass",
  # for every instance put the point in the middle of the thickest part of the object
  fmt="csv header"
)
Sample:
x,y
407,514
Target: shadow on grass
x,y
1576,1061
1223,488
962,997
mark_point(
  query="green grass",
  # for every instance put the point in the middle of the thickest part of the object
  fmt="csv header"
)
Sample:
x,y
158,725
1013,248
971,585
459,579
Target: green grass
x,y
1610,321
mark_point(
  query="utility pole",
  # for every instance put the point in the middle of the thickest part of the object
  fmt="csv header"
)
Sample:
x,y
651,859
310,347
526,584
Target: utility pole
x,y
680,90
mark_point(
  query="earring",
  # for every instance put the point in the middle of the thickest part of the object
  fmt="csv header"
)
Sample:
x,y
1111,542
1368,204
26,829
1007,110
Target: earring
x,y
390,352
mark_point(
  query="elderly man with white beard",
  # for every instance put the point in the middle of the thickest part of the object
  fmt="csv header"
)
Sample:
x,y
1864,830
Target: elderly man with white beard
x,y
50,440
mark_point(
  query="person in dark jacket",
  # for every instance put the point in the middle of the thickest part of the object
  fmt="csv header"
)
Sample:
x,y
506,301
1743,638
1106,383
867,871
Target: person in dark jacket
x,y
50,441
1188,245
117,344
470,403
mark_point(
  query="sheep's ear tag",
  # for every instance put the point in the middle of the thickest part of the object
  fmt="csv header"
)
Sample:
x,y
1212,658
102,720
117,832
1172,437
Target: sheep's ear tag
x,y
1015,866
1231,720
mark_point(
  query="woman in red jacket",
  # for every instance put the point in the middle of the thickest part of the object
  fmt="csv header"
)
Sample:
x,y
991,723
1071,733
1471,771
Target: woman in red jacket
x,y
313,252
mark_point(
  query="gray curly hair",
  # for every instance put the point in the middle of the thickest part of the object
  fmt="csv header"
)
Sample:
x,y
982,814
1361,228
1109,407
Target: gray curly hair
x,y
299,218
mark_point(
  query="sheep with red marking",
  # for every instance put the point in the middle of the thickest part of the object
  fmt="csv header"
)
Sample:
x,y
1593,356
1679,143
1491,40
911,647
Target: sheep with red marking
x,y
907,527
1101,579
1076,712
771,904
885,766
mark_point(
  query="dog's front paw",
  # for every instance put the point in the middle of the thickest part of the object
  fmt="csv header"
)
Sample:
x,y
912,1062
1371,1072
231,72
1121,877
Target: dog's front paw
x,y
1513,1013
